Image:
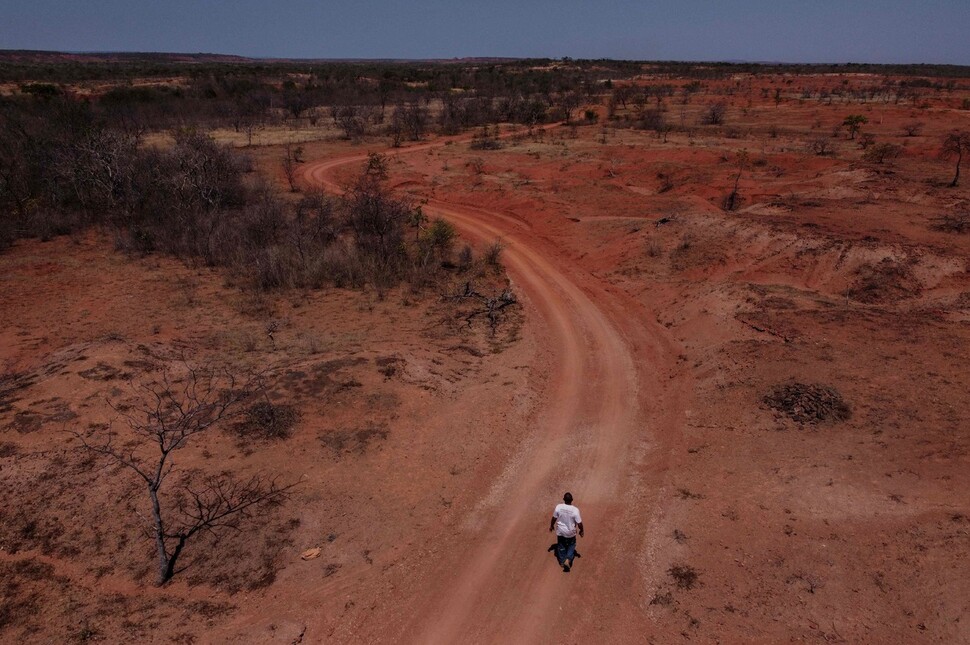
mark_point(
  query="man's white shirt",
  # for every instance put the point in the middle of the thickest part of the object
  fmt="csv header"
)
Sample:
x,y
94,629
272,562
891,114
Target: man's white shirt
x,y
567,517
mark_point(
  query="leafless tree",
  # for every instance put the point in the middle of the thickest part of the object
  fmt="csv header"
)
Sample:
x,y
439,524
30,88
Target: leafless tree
x,y
913,128
734,198
409,119
171,411
350,119
821,146
956,144
377,221
288,163
622,94
569,102
715,113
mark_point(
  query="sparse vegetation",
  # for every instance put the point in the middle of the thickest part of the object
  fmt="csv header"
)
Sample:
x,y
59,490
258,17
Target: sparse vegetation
x,y
171,412
380,320
953,222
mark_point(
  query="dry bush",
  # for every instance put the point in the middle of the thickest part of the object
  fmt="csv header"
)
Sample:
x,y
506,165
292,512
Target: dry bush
x,y
732,201
492,254
913,128
808,403
666,182
465,258
882,152
886,281
714,113
684,576
821,146
8,449
486,139
267,421
953,222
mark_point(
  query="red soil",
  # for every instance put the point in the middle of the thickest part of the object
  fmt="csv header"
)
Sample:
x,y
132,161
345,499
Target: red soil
x,y
638,383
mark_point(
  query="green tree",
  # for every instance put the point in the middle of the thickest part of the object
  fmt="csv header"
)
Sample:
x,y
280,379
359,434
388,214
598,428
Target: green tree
x,y
854,123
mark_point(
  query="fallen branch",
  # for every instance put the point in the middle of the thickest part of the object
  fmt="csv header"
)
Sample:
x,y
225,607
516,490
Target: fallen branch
x,y
765,330
491,306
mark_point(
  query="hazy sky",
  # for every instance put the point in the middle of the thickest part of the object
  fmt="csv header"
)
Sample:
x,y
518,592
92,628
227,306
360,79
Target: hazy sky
x,y
930,31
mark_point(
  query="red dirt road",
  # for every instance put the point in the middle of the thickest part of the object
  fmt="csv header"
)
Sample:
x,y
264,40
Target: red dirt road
x,y
610,403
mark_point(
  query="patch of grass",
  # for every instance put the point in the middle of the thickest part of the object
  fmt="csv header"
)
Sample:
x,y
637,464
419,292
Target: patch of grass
x,y
354,441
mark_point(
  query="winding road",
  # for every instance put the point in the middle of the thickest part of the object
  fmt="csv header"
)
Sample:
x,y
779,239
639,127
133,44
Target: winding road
x,y
612,406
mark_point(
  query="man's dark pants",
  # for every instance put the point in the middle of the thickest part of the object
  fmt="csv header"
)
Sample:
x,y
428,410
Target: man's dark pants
x,y
565,549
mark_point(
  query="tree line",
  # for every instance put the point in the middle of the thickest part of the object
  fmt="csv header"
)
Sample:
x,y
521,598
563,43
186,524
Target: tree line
x,y
64,168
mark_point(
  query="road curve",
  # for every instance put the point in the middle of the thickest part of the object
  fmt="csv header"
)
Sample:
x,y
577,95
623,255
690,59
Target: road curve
x,y
611,405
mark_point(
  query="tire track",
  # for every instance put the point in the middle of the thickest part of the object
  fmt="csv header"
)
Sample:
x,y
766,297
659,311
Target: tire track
x,y
593,421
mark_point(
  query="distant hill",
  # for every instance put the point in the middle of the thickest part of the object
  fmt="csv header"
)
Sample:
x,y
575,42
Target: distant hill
x,y
47,57
50,57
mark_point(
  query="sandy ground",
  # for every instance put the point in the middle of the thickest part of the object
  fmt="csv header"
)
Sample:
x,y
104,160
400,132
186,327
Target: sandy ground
x,y
653,326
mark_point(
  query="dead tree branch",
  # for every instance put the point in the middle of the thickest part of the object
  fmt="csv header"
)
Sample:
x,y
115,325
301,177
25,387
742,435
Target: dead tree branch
x,y
171,411
490,306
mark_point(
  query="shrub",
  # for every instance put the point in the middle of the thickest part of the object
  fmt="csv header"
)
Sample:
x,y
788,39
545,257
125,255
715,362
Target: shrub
x,y
821,146
881,152
486,139
808,403
493,253
715,113
685,576
267,421
913,128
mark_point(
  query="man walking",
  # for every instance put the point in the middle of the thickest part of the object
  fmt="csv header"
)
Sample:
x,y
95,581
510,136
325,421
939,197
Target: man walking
x,y
566,520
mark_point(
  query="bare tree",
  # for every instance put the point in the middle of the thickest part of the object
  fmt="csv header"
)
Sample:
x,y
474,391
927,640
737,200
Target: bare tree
x,y
913,128
622,94
714,113
351,120
956,144
734,198
569,102
410,119
377,222
171,412
288,163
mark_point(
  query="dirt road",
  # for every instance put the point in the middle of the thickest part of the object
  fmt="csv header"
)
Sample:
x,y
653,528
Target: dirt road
x,y
609,411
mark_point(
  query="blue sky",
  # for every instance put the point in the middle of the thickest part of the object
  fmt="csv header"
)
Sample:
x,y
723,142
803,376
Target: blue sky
x,y
882,31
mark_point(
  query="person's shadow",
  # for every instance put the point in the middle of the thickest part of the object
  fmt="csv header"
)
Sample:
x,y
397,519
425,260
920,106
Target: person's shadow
x,y
552,550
